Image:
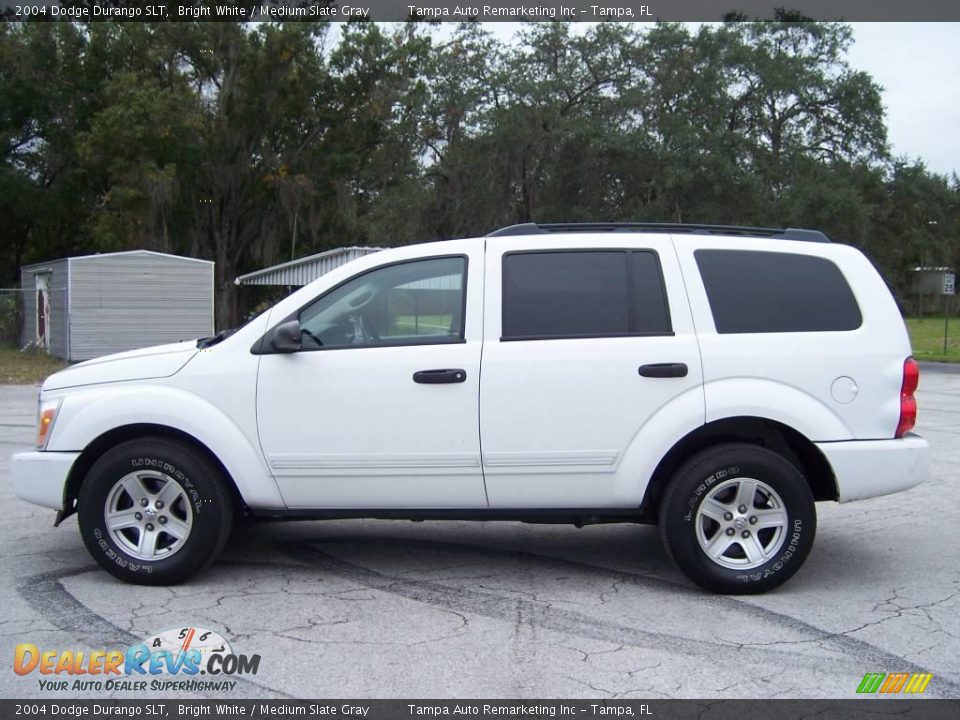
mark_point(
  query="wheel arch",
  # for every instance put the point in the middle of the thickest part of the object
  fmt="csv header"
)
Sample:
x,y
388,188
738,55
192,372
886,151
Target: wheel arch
x,y
771,434
113,437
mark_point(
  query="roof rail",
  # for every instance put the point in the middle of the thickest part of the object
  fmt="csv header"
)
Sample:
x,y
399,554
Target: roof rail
x,y
773,233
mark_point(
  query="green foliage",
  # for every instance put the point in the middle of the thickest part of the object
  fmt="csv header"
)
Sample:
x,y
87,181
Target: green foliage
x,y
11,310
250,144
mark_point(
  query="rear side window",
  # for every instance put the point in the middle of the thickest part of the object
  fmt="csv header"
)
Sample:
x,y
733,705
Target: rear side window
x,y
581,293
768,292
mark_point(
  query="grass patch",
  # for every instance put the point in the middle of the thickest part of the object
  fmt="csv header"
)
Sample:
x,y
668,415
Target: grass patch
x,y
26,368
421,325
926,336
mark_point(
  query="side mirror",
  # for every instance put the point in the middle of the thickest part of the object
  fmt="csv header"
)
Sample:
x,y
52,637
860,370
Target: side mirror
x,y
286,338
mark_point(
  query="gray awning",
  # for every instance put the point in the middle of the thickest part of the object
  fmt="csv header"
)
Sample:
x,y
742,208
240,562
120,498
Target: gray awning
x,y
304,270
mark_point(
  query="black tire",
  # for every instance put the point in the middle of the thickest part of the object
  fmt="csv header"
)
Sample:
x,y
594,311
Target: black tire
x,y
208,517
716,473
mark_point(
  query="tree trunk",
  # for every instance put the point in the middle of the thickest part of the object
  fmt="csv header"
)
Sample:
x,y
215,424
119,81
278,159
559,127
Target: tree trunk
x,y
226,299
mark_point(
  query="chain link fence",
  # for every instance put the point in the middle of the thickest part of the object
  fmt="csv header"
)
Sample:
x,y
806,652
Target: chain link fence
x,y
11,316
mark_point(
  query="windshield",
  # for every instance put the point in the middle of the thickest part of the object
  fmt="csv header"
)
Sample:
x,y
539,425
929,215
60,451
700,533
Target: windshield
x,y
225,333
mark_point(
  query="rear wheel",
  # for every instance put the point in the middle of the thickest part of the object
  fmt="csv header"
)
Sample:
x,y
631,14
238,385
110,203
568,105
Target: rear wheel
x,y
153,511
738,519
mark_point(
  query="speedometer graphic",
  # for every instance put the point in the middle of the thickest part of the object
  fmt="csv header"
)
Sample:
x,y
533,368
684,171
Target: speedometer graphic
x,y
181,640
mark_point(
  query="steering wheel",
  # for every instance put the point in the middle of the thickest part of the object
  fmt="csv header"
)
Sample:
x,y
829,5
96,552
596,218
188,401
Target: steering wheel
x,y
368,331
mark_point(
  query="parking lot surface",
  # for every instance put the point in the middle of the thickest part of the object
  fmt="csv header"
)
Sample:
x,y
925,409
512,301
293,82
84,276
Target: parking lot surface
x,y
370,609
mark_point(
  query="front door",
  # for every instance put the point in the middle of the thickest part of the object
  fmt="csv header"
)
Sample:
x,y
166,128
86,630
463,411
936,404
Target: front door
x,y
380,407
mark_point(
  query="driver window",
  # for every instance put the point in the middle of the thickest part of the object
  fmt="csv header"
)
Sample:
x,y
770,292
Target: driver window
x,y
411,303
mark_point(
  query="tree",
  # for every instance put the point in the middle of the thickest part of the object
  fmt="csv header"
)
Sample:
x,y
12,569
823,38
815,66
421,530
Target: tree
x,y
252,144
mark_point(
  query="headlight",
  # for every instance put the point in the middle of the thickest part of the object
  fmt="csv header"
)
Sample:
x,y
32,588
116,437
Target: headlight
x,y
46,416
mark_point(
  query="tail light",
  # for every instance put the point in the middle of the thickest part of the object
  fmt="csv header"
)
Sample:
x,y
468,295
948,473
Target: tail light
x,y
908,403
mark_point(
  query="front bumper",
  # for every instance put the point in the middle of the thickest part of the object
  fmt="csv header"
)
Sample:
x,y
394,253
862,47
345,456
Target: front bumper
x,y
869,468
40,477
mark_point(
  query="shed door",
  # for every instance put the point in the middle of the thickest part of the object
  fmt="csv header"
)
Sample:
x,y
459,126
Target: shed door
x,y
43,310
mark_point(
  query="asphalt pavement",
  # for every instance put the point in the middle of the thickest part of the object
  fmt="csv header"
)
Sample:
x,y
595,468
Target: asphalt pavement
x,y
394,609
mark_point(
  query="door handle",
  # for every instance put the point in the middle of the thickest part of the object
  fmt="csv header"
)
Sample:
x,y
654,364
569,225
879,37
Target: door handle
x,y
664,370
435,377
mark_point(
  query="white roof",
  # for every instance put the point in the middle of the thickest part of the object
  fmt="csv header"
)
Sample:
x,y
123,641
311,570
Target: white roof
x,y
122,253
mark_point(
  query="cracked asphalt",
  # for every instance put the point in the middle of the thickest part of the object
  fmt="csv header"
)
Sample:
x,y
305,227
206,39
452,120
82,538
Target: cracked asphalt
x,y
382,609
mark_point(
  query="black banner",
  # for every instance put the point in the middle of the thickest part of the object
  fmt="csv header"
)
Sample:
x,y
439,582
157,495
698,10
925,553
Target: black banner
x,y
487,709
483,11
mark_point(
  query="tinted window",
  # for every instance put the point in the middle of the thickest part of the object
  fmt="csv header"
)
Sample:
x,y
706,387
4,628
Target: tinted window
x,y
582,294
762,292
418,302
649,303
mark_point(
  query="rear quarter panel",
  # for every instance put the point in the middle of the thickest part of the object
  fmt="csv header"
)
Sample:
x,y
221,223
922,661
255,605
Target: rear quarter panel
x,y
788,376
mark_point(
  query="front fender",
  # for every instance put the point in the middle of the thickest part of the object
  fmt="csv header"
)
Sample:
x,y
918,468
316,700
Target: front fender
x,y
86,415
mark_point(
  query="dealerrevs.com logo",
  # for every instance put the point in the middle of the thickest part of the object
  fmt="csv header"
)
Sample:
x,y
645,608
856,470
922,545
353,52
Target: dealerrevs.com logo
x,y
168,661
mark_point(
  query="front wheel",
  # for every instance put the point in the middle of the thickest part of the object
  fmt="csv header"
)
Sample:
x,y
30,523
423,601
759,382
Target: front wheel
x,y
153,511
738,519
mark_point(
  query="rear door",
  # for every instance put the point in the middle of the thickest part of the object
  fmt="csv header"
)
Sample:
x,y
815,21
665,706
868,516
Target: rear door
x,y
586,338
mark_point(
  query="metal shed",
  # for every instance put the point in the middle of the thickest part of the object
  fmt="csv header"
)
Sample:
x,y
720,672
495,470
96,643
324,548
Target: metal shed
x,y
306,269
932,281
84,307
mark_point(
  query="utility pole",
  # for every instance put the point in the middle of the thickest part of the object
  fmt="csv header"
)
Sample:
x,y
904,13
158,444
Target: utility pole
x,y
949,288
293,239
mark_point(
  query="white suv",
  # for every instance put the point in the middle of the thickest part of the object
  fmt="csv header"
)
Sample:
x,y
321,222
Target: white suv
x,y
714,380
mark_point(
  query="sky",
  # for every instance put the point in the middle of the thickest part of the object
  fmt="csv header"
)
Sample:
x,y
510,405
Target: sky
x,y
918,66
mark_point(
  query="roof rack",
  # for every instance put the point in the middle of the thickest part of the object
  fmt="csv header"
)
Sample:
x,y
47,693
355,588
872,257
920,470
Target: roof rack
x,y
773,233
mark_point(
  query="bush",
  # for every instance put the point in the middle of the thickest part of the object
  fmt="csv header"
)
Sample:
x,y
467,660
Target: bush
x,y
11,317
